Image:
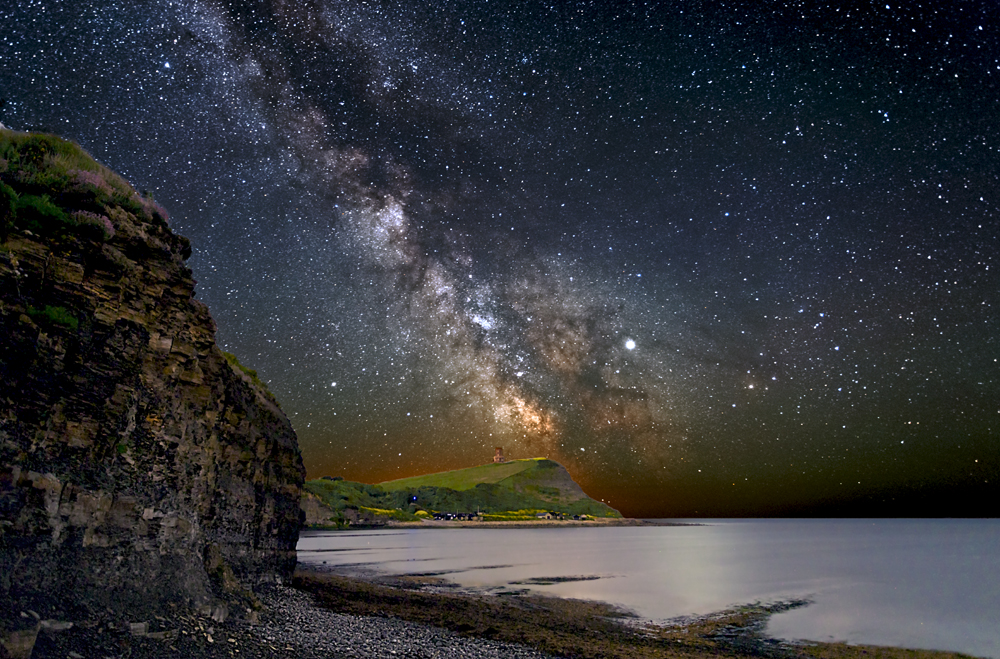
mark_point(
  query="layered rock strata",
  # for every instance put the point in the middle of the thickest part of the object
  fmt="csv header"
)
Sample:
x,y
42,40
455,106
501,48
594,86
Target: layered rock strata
x,y
139,468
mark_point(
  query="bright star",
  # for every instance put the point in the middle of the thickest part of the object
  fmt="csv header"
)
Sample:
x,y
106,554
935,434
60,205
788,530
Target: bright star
x,y
630,344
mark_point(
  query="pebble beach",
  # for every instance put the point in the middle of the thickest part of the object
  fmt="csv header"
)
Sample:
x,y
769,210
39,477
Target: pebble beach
x,y
290,625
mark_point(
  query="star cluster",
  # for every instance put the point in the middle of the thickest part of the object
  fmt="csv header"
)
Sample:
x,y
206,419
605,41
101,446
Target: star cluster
x,y
716,260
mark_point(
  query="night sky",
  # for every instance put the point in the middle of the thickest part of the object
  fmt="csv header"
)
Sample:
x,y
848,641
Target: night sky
x,y
714,260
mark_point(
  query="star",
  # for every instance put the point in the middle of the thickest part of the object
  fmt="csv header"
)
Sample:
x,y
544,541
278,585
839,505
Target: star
x,y
445,210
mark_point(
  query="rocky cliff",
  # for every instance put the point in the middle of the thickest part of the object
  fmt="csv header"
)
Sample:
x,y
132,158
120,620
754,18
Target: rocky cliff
x,y
138,467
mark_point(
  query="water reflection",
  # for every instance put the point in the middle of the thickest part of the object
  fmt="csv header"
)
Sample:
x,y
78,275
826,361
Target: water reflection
x,y
916,583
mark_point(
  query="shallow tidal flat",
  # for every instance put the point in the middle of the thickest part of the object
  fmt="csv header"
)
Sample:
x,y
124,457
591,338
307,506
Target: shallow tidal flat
x,y
327,616
926,584
575,628
528,524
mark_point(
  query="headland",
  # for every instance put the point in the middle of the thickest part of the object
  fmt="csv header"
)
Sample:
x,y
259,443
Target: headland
x,y
498,494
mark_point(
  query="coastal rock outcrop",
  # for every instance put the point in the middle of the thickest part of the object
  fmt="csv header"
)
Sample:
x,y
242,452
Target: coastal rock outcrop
x,y
140,466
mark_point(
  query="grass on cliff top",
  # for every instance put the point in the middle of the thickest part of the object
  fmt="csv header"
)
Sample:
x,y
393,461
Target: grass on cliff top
x,y
52,155
581,629
465,479
533,484
51,186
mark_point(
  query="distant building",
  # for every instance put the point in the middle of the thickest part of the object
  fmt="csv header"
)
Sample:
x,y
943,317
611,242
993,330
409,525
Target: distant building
x,y
498,456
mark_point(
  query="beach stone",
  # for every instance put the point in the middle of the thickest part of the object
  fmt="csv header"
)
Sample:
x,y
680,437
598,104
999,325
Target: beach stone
x,y
18,644
55,625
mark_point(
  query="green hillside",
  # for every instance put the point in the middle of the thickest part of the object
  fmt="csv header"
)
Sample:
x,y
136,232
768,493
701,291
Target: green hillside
x,y
511,490
466,479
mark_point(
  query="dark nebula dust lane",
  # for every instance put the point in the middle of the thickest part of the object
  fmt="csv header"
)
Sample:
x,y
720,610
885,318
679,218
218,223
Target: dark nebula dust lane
x,y
715,260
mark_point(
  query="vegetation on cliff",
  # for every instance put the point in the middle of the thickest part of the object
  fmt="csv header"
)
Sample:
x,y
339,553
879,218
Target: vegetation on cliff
x,y
249,372
515,490
53,188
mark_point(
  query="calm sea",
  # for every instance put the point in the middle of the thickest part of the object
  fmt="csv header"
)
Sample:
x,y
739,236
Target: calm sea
x,y
931,584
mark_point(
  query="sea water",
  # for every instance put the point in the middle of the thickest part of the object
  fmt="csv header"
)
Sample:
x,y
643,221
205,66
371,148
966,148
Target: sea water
x,y
932,584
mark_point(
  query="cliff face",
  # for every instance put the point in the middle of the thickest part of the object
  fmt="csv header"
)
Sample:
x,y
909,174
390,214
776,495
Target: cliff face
x,y
138,468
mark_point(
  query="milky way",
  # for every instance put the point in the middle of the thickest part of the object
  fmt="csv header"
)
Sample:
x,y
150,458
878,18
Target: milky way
x,y
716,261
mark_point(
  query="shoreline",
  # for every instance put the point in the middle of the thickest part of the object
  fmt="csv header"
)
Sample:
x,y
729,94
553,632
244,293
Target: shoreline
x,y
323,615
516,524
563,627
745,624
